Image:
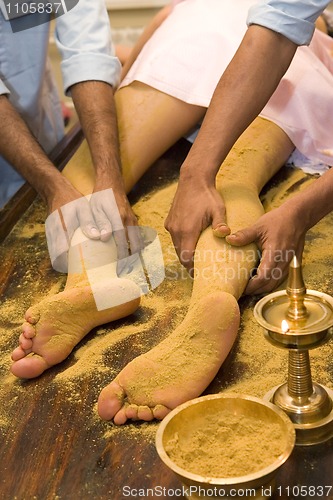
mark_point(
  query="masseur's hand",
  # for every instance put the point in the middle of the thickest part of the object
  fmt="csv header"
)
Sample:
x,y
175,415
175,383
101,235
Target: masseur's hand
x,y
196,205
114,216
74,207
68,210
100,217
279,236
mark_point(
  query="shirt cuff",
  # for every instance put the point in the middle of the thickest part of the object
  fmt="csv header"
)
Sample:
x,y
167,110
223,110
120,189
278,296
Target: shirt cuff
x,y
90,66
3,89
297,30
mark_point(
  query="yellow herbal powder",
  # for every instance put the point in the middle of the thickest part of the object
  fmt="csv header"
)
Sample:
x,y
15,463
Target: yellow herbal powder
x,y
228,445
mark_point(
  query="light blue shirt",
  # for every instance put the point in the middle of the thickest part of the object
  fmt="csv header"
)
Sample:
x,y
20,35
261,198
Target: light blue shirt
x,y
83,38
292,18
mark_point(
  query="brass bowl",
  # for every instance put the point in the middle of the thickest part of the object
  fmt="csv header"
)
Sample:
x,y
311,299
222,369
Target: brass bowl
x,y
192,415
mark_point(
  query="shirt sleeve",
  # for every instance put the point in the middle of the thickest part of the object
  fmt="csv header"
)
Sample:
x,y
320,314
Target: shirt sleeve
x,y
292,18
3,88
83,37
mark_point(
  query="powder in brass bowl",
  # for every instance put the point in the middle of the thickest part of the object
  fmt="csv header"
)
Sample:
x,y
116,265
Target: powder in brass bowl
x,y
225,439
227,445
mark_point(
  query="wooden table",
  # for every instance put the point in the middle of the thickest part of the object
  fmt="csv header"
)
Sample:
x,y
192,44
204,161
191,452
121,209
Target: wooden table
x,y
53,445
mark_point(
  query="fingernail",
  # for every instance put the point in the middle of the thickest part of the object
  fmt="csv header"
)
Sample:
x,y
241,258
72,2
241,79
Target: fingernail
x,y
94,231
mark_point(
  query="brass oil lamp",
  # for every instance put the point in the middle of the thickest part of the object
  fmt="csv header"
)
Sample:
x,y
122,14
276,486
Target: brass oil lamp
x,y
299,320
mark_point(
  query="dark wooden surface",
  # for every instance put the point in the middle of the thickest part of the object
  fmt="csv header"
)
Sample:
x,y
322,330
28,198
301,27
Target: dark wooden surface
x,y
53,445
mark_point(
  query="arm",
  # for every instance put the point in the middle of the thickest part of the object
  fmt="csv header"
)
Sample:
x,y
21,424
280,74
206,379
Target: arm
x,y
281,233
21,150
91,72
242,92
95,106
276,28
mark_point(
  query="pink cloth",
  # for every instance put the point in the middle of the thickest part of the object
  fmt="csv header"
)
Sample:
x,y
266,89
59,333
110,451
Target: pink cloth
x,y
188,53
302,105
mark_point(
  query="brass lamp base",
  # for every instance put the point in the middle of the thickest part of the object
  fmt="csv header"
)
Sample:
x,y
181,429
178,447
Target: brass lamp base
x,y
309,430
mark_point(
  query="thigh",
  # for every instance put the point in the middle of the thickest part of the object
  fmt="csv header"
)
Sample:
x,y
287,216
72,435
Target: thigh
x,y
149,123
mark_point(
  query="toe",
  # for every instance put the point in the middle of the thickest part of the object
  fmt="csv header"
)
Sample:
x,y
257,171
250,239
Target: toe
x,y
29,366
160,411
28,330
24,342
145,413
120,417
32,315
110,401
132,412
18,353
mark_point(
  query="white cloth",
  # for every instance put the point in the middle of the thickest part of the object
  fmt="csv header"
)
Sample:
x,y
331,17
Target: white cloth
x,y
188,53
297,160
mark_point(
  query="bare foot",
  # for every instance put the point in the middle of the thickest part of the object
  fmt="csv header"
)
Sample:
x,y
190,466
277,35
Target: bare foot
x,y
179,368
57,324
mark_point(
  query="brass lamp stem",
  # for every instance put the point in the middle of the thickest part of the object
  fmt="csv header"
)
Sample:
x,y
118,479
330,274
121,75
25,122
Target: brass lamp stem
x,y
300,386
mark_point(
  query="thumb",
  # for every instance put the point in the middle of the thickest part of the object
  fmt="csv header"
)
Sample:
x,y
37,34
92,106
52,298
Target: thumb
x,y
219,225
242,237
87,221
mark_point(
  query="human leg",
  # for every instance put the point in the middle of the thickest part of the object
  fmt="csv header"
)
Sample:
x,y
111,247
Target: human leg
x,y
183,365
149,123
54,326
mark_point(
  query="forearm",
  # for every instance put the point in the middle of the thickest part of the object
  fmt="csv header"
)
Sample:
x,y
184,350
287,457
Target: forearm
x,y
242,92
95,106
22,151
312,204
